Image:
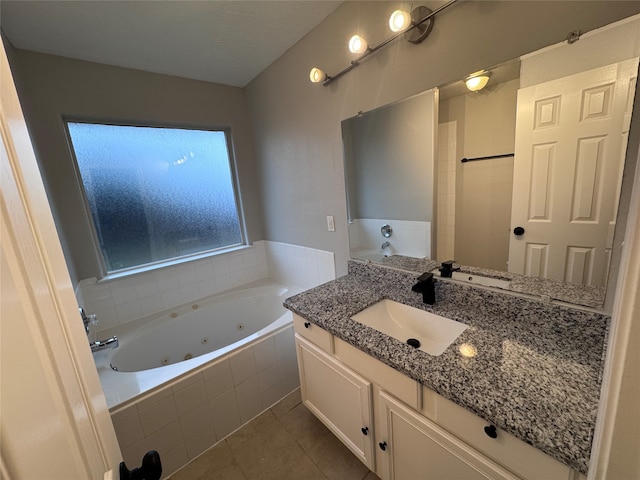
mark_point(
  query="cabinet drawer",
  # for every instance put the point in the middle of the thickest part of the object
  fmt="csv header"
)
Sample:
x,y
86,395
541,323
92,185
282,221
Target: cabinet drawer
x,y
516,455
389,379
312,332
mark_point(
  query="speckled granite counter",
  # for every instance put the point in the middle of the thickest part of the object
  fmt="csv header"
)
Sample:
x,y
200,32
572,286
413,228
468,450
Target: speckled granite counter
x,y
538,370
586,295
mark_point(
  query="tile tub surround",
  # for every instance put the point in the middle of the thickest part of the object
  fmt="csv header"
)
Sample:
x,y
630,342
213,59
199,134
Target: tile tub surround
x,y
538,370
184,418
123,300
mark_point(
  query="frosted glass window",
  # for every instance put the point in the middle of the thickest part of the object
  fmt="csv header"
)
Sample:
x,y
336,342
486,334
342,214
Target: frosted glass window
x,y
156,193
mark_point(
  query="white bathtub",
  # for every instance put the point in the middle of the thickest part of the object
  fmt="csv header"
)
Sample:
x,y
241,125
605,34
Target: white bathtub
x,y
164,347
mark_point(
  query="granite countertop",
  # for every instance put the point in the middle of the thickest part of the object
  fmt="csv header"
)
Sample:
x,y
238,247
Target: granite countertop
x,y
538,368
585,295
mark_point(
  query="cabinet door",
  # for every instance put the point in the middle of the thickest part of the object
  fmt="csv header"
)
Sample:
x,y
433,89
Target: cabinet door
x,y
339,397
416,448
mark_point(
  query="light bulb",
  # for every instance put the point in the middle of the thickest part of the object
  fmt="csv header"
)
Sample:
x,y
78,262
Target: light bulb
x,y
357,44
316,75
399,20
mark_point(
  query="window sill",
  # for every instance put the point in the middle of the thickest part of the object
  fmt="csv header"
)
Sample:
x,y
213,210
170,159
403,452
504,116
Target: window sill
x,y
169,263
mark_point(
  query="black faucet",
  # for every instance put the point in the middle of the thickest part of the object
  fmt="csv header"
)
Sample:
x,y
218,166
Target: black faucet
x,y
446,268
426,286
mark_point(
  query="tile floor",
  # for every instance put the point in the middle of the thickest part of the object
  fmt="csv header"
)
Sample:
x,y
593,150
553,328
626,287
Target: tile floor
x,y
286,442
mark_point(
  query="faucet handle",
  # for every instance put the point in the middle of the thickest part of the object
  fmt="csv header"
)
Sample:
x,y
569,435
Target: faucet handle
x,y
425,277
446,268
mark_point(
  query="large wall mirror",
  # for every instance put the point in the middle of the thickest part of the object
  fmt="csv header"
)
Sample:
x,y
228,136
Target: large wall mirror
x,y
522,177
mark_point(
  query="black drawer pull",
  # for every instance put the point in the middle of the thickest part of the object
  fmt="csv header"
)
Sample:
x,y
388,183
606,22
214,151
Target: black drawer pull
x,y
491,431
307,324
365,430
383,446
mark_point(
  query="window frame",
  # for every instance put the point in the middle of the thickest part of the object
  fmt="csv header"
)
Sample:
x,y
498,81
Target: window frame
x,y
105,274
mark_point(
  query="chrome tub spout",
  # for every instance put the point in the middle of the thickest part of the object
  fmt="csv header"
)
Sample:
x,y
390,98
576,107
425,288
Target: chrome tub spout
x,y
104,344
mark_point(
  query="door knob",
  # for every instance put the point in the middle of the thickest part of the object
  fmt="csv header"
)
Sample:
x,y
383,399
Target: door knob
x,y
518,231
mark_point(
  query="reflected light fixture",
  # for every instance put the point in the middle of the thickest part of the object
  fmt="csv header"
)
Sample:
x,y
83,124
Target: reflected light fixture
x,y
357,44
415,27
399,20
477,81
467,350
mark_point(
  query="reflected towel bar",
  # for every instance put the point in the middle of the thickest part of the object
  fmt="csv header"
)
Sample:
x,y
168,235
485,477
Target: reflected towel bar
x,y
491,157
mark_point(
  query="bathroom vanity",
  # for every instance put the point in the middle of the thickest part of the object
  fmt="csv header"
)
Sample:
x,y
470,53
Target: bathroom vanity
x,y
514,396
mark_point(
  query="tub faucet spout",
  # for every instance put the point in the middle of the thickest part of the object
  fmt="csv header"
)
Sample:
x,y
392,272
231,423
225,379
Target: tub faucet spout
x,y
99,345
85,320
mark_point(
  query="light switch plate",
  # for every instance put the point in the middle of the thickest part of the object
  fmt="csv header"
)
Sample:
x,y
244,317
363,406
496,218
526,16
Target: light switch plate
x,y
331,225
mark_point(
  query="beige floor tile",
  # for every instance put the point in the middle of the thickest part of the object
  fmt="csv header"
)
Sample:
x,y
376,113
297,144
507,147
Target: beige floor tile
x,y
230,472
218,457
287,442
335,460
304,427
287,403
276,456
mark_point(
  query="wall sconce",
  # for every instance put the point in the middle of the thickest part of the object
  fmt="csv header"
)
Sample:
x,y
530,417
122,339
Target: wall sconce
x,y
477,81
415,27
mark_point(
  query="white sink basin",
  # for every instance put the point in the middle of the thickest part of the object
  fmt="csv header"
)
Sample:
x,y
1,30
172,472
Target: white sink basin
x,y
402,322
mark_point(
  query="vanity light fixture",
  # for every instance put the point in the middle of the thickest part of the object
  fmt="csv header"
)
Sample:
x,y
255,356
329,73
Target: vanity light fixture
x,y
415,27
477,81
357,44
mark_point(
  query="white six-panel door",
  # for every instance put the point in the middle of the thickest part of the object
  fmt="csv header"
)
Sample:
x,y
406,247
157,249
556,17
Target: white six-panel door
x,y
570,145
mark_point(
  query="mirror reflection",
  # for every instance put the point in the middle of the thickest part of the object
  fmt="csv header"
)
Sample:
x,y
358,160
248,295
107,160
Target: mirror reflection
x,y
519,179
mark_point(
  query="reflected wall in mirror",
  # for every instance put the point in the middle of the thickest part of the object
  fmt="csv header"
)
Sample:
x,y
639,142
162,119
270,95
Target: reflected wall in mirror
x,y
389,167
556,119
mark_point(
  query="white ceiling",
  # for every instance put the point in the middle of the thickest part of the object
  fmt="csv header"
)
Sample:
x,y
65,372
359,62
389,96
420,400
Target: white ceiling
x,y
228,42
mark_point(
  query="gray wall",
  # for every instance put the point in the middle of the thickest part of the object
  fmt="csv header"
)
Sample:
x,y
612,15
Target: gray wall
x,y
51,87
389,161
297,123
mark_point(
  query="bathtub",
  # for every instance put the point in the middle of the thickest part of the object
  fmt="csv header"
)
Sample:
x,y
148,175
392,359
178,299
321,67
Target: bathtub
x,y
161,348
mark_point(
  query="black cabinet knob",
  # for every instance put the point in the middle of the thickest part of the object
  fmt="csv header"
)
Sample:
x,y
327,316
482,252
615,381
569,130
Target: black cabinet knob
x,y
307,324
383,446
491,431
518,231
365,430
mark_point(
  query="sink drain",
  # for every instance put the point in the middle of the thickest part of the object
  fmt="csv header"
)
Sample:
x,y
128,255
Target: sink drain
x,y
414,342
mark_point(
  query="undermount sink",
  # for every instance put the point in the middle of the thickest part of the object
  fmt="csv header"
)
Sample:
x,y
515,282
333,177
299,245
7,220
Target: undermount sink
x,y
424,330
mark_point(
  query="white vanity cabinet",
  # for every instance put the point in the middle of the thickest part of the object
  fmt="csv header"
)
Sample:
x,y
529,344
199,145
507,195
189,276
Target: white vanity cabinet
x,y
415,447
401,429
339,397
